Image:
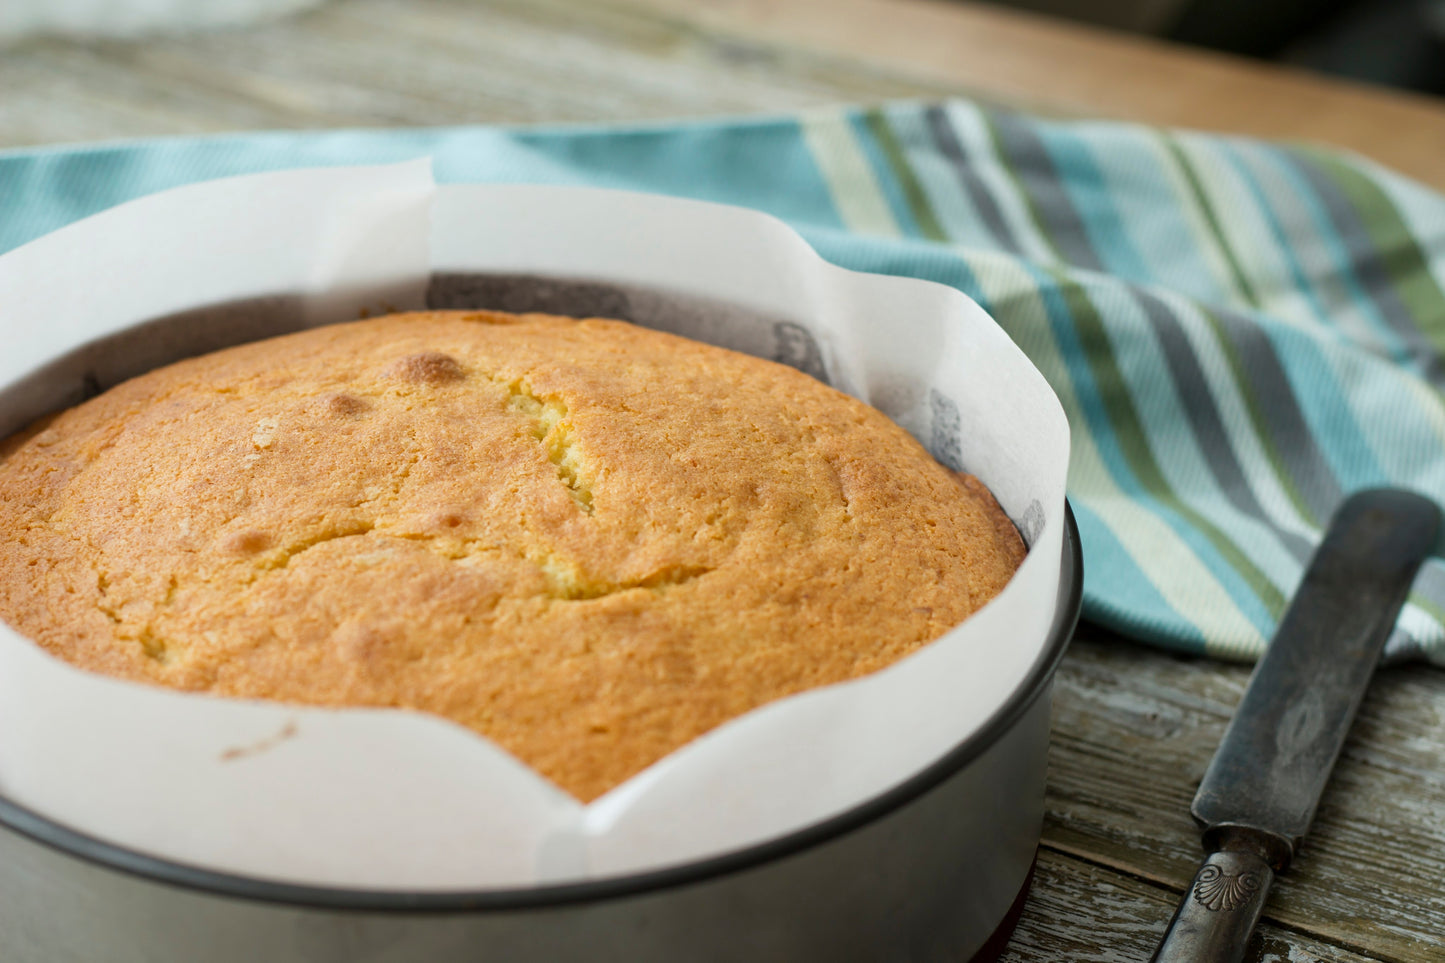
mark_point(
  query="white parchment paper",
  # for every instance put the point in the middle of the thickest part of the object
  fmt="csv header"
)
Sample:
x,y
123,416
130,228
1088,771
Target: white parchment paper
x,y
389,799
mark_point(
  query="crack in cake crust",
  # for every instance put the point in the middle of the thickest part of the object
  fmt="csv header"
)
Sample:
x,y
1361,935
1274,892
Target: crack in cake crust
x,y
554,431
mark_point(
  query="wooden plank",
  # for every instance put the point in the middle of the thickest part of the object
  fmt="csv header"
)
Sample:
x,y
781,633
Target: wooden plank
x,y
429,62
1133,732
1051,65
1078,912
370,62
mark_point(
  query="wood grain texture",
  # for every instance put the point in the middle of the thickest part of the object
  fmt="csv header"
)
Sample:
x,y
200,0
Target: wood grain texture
x,y
1124,919
427,62
1133,732
1133,728
392,62
1049,65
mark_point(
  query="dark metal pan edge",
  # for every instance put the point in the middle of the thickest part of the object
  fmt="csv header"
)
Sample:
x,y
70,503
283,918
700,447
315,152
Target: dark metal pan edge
x,y
154,869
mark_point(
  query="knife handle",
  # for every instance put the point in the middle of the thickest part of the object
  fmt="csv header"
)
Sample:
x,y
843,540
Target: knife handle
x,y
1218,911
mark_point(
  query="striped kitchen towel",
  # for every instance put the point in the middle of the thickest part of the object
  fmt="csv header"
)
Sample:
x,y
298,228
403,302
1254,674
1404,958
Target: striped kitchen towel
x,y
1241,332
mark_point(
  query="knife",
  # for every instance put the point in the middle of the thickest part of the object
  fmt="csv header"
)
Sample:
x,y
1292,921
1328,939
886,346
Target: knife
x,y
1260,791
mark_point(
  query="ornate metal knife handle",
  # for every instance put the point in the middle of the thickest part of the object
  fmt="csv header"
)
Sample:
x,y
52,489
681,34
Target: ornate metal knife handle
x,y
1216,916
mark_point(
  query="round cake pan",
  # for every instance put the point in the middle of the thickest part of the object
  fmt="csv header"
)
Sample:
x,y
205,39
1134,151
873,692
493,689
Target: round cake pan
x,y
934,866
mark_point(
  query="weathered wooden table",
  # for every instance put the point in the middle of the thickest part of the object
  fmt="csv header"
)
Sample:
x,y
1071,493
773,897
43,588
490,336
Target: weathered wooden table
x,y
1133,728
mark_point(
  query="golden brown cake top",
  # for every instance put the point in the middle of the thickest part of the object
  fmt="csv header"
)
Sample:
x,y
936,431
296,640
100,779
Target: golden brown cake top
x,y
589,541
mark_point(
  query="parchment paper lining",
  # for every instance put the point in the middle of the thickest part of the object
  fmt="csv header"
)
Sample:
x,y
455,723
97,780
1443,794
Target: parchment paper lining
x,y
393,800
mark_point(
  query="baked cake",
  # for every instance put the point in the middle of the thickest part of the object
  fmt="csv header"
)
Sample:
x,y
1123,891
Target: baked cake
x,y
589,541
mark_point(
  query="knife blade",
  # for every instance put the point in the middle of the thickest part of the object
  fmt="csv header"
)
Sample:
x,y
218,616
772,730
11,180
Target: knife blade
x,y
1259,794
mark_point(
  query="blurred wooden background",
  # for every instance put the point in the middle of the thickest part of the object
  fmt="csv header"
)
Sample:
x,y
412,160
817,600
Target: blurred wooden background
x,y
386,62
